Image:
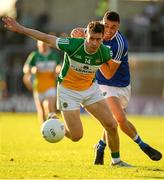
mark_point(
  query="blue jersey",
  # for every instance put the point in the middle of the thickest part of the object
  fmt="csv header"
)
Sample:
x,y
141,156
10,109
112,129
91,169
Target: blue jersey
x,y
119,47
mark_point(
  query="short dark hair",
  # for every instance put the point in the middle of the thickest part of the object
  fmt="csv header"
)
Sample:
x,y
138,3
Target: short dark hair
x,y
96,26
112,16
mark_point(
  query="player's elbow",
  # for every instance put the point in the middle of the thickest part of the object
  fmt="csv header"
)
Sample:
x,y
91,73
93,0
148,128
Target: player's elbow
x,y
76,138
108,76
50,40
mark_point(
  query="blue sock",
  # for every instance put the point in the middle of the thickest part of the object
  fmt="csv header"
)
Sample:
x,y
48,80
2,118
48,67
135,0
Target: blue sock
x,y
101,146
139,141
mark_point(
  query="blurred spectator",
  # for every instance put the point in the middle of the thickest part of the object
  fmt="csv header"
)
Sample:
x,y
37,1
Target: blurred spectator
x,y
42,22
63,35
102,7
152,9
140,28
162,16
2,36
3,87
148,26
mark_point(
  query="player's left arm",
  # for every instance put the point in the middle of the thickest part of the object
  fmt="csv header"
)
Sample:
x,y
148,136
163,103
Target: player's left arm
x,y
78,32
109,68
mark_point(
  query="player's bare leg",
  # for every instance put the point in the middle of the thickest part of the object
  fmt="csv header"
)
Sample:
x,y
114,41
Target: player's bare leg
x,y
105,117
128,128
120,117
50,107
73,125
27,81
40,109
52,104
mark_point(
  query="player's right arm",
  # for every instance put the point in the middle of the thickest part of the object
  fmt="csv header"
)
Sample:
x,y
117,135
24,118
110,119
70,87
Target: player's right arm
x,y
109,68
12,25
27,77
29,69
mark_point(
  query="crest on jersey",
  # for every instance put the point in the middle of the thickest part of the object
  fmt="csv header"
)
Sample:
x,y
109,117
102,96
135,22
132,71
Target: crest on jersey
x,y
85,67
104,93
65,104
98,61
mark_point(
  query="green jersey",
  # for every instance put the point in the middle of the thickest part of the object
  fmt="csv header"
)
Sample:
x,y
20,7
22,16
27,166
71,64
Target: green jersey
x,y
79,67
45,64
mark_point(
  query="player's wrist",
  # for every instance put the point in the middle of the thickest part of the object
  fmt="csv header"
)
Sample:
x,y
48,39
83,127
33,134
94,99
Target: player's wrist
x,y
21,29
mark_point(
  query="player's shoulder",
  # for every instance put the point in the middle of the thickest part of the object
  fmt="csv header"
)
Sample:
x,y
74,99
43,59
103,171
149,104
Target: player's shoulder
x,y
77,40
53,52
119,42
71,43
70,40
33,54
120,39
54,55
105,50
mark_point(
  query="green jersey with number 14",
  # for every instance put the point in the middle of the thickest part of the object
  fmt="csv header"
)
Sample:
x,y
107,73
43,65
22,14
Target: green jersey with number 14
x,y
79,67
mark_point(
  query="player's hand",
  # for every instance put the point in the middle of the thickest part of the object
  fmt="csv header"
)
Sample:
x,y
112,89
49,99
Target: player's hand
x,y
78,33
11,24
34,70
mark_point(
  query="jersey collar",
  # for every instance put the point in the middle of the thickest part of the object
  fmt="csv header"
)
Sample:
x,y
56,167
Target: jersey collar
x,y
86,49
114,35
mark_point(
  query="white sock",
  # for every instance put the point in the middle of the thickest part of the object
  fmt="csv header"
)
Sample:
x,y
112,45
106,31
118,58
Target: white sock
x,y
115,160
136,137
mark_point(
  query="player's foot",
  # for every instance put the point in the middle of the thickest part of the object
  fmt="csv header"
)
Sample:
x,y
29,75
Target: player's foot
x,y
152,153
52,115
121,164
99,156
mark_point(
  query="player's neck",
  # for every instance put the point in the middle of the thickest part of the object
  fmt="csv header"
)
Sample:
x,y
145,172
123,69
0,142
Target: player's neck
x,y
87,48
45,53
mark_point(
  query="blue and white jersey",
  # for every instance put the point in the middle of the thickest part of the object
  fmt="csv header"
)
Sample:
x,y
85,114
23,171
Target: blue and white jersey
x,y
119,47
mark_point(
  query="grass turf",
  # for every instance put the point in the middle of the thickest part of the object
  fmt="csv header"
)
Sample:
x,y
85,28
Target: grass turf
x,y
24,154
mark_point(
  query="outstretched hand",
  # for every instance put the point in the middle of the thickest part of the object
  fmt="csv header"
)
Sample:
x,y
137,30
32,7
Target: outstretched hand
x,y
78,33
11,24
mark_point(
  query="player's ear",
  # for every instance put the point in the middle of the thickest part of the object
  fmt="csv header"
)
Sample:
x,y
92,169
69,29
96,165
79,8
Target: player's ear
x,y
72,33
85,34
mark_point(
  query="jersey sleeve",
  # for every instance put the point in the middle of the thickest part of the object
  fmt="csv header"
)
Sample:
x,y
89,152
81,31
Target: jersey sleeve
x,y
64,44
69,45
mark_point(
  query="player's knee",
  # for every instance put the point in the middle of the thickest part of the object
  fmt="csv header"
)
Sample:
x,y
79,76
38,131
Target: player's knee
x,y
121,119
76,137
112,126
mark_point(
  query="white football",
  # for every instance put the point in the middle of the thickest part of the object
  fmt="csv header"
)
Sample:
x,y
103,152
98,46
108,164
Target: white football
x,y
53,130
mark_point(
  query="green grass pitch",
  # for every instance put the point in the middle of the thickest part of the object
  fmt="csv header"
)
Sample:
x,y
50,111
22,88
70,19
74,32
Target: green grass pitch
x,y
24,154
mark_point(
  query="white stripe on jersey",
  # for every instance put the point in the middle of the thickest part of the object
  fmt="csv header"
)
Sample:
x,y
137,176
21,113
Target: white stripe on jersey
x,y
120,47
61,41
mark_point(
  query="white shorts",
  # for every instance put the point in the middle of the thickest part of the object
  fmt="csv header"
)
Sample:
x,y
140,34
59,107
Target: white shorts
x,y
42,96
123,93
68,99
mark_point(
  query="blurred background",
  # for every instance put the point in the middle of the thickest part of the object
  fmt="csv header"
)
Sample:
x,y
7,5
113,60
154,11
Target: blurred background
x,y
142,22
